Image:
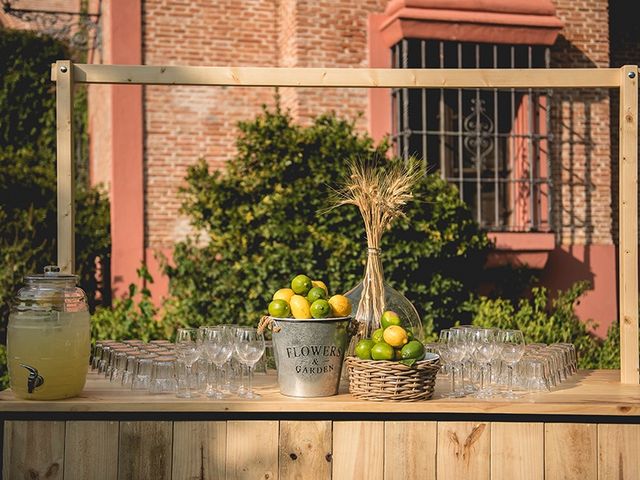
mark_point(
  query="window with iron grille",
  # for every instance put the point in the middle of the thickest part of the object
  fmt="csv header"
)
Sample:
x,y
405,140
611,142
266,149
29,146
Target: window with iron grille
x,y
492,144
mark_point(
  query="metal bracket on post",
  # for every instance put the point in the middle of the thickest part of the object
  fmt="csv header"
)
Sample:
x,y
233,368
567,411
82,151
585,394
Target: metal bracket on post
x,y
63,76
628,228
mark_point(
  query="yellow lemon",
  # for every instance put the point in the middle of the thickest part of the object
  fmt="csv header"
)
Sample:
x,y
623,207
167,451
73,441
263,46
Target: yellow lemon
x,y
395,336
340,306
300,307
320,283
284,294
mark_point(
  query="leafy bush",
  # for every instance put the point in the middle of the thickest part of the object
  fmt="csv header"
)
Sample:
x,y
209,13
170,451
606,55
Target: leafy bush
x,y
28,174
132,316
542,320
260,226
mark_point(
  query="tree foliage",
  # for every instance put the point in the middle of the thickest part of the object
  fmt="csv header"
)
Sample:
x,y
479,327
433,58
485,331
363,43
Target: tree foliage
x,y
261,223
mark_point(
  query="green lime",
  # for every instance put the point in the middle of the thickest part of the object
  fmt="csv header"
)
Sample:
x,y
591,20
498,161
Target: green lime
x,y
320,309
316,293
279,308
389,318
363,349
382,351
413,349
301,284
376,336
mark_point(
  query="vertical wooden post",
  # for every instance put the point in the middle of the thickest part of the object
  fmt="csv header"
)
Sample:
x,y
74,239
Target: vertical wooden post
x,y
628,228
65,165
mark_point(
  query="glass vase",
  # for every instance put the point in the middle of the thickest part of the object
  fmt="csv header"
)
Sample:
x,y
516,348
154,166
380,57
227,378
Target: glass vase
x,y
373,296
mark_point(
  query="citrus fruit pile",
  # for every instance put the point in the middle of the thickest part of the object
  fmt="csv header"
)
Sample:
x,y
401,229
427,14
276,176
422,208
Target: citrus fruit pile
x,y
390,342
308,299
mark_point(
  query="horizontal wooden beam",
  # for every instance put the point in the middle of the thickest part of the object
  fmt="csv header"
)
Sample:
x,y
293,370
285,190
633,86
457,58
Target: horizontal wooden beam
x,y
345,77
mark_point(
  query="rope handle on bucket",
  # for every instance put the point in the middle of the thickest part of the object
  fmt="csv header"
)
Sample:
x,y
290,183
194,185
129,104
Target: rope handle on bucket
x,y
267,322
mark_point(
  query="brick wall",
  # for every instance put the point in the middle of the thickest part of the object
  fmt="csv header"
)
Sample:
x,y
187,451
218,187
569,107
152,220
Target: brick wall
x,y
580,124
186,123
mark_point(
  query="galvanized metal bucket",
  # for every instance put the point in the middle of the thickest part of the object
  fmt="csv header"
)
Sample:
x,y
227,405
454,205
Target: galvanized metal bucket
x,y
309,354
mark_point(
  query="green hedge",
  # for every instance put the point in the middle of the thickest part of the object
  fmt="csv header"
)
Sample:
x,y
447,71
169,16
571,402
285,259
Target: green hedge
x,y
28,174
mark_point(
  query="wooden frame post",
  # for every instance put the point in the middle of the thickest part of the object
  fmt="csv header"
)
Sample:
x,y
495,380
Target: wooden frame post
x,y
628,228
65,73
65,165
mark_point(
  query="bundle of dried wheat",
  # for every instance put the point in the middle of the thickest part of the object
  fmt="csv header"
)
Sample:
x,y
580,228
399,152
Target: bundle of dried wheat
x,y
380,193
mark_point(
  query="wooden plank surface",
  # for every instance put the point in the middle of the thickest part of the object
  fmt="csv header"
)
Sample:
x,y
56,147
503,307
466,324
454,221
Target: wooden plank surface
x,y
345,77
252,450
410,450
596,392
305,450
358,450
570,451
517,450
145,450
91,450
463,450
199,450
618,451
33,450
628,226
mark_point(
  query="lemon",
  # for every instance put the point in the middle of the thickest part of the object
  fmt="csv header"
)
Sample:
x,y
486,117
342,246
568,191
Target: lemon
x,y
316,293
389,318
320,309
395,336
377,335
279,308
340,305
413,349
301,284
363,349
300,307
321,284
382,351
284,294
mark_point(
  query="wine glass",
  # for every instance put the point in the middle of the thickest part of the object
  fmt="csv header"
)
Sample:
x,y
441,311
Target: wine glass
x,y
452,353
187,353
218,346
511,351
484,351
249,346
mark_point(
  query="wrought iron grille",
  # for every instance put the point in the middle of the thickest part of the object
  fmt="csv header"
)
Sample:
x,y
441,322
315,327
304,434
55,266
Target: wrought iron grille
x,y
492,144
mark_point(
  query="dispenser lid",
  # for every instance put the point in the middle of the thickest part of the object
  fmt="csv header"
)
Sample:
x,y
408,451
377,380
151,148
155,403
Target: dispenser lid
x,y
52,273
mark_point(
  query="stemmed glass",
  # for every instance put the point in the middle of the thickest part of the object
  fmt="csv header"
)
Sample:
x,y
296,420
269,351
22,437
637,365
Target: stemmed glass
x,y
249,347
218,346
511,351
452,353
187,352
484,351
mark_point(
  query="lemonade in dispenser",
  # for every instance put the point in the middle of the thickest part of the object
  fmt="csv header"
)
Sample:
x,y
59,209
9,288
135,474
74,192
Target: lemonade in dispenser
x,y
48,337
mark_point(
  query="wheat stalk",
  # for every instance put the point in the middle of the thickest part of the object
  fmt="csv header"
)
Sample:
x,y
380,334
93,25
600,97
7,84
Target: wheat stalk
x,y
379,193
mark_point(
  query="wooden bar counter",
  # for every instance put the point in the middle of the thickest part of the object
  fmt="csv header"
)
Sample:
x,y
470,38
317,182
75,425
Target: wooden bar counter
x,y
588,428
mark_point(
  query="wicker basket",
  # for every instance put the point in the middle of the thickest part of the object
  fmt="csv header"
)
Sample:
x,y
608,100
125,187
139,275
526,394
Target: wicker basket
x,y
381,380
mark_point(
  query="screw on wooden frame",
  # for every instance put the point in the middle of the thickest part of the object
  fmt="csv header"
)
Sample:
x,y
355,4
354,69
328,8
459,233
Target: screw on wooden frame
x,y
63,69
631,74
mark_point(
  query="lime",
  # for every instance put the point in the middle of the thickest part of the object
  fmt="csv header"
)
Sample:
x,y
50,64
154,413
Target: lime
x,y
322,285
279,309
301,284
340,305
389,318
320,309
376,336
316,293
300,307
363,349
395,336
413,349
284,294
382,351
